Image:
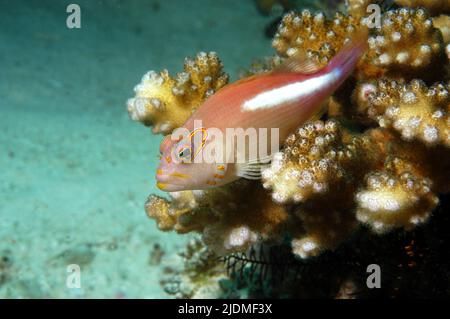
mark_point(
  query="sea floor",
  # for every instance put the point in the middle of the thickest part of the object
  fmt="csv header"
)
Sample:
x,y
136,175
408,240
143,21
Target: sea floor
x,y
75,170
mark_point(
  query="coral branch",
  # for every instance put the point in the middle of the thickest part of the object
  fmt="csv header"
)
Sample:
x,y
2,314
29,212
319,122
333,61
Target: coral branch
x,y
434,6
320,37
392,200
317,160
412,109
407,43
166,103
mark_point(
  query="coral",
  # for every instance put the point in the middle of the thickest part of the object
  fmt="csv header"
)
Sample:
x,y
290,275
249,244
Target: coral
x,y
325,227
171,215
165,103
316,160
319,36
432,163
377,163
261,66
224,215
320,168
442,23
391,200
415,111
358,8
406,44
434,6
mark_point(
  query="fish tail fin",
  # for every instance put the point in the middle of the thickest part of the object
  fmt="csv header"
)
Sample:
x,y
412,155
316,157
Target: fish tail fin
x,y
347,58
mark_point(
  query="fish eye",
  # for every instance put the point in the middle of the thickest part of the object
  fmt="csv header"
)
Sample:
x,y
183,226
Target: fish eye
x,y
184,153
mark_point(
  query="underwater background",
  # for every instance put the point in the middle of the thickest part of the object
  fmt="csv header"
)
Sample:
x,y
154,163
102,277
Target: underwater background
x,y
75,170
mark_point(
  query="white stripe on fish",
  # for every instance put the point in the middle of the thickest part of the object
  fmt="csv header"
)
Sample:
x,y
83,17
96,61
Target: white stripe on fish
x,y
290,93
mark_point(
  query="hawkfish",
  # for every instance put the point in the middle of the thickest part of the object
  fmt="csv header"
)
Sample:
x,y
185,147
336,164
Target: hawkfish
x,y
278,101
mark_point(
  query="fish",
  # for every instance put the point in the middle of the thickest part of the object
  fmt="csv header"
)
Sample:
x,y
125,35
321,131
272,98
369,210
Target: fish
x,y
272,105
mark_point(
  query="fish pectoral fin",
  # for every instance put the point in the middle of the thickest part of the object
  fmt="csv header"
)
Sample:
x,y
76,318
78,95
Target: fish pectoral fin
x,y
299,63
253,168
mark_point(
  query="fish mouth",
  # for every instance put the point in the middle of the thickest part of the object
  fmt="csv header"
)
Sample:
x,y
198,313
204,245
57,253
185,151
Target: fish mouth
x,y
161,175
167,187
171,182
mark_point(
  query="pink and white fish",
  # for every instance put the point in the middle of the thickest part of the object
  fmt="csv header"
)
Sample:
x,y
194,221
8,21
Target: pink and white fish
x,y
283,99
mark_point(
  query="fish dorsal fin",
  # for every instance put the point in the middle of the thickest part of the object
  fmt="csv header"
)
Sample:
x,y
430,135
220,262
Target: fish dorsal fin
x,y
253,168
299,63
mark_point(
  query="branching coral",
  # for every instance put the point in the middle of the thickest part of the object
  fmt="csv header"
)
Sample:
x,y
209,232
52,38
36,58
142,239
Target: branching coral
x,y
412,109
380,159
359,8
434,6
321,167
432,163
165,102
391,200
227,218
320,37
316,161
442,23
407,43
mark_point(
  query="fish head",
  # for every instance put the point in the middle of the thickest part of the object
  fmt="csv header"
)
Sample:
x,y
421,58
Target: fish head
x,y
178,170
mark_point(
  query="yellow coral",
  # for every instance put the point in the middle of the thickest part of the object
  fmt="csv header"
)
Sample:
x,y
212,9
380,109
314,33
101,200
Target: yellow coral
x,y
316,160
320,37
442,23
173,215
166,103
434,6
407,42
358,8
325,222
261,66
412,109
320,168
228,220
392,200
432,163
